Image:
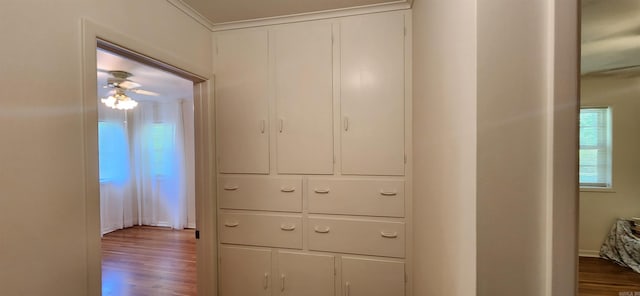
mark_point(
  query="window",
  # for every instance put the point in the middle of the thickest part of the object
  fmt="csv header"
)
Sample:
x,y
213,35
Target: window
x,y
161,145
113,152
595,147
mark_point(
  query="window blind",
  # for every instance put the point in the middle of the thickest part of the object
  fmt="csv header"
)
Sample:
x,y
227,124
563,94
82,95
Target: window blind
x,y
595,147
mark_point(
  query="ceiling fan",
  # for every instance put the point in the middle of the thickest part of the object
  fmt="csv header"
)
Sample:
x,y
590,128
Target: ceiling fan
x,y
120,84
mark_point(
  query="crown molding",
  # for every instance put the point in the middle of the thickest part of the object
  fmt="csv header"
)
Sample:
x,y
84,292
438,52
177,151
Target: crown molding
x,y
291,18
316,15
189,11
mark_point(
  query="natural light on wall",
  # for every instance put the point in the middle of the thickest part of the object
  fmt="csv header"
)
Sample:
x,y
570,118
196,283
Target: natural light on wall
x,y
595,147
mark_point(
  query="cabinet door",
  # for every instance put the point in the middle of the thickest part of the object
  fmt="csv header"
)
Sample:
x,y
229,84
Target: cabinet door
x,y
372,94
242,113
304,96
306,274
245,271
371,277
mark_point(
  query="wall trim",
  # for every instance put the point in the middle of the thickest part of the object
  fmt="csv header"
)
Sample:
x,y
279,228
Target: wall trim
x,y
317,15
205,217
589,253
189,11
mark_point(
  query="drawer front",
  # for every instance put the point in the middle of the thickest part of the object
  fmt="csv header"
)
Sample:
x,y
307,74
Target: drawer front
x,y
355,236
282,231
261,193
377,197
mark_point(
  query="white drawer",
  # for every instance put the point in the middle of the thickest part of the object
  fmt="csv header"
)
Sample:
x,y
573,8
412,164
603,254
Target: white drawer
x,y
272,230
261,193
375,197
357,236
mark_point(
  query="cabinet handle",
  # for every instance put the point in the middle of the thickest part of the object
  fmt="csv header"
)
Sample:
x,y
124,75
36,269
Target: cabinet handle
x,y
231,187
231,224
262,126
289,227
389,234
281,124
347,288
346,123
289,189
282,287
321,230
388,193
265,283
321,191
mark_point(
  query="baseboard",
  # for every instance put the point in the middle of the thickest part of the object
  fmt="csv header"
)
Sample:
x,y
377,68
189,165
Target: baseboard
x,y
191,225
110,229
589,253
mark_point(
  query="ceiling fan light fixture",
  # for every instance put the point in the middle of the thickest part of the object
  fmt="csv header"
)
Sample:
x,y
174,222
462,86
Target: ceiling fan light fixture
x,y
120,102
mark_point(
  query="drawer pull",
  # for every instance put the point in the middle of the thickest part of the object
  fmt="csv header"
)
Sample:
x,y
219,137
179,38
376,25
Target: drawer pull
x,y
231,187
285,227
388,193
347,289
231,224
265,283
288,189
389,234
321,191
321,230
262,126
282,287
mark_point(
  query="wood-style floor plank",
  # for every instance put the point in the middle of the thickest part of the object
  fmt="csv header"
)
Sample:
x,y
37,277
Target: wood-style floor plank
x,y
600,277
149,261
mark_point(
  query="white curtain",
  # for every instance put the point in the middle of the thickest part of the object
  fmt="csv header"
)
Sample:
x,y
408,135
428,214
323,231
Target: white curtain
x,y
159,162
117,201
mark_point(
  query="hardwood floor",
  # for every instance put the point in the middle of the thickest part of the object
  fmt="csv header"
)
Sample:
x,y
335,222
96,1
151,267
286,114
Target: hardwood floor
x,y
148,261
154,261
600,277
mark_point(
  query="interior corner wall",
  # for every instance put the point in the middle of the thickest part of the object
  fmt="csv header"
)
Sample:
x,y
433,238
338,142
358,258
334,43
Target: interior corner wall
x,y
43,239
599,210
444,145
512,142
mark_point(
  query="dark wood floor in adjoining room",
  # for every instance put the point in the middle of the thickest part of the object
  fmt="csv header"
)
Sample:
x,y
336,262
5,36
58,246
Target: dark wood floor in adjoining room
x,y
148,261
600,277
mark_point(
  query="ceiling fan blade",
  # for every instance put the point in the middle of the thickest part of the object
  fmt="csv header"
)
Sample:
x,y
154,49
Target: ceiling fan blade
x,y
143,92
128,84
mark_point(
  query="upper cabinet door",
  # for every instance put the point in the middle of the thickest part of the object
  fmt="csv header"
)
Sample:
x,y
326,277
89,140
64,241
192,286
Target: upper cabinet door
x,y
304,98
242,92
372,94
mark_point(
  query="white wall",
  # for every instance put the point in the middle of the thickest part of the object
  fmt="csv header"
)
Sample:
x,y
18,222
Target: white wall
x,y
512,93
444,145
599,210
42,203
487,107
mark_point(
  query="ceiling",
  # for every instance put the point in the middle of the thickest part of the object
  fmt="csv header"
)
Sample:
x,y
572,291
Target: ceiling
x,y
167,85
610,36
224,11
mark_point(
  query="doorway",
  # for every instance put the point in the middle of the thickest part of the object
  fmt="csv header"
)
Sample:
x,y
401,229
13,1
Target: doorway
x,y
97,36
147,178
609,241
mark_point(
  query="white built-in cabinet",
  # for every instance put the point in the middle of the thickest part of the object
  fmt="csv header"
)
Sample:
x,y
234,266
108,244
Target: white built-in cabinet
x,y
372,277
372,94
305,274
303,73
311,135
245,271
242,101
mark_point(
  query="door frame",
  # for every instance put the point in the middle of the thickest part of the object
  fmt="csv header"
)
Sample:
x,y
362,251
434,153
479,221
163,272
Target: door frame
x,y
96,36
